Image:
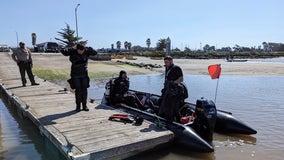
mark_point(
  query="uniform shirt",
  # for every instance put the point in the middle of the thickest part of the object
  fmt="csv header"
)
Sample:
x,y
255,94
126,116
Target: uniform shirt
x,y
173,73
20,54
79,67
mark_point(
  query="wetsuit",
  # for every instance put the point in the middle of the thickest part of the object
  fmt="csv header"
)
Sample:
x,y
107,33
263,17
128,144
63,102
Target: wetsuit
x,y
171,94
79,73
120,88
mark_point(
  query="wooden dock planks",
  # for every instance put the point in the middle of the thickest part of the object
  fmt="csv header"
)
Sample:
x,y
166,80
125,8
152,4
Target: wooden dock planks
x,y
83,135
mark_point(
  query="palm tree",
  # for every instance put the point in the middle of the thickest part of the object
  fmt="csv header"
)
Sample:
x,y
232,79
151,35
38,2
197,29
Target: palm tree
x,y
265,46
206,47
148,43
118,45
33,39
129,46
237,48
161,44
126,45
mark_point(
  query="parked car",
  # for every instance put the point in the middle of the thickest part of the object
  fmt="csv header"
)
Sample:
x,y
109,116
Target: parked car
x,y
4,48
47,47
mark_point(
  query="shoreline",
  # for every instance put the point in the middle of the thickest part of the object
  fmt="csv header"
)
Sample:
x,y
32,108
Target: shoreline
x,y
103,70
253,67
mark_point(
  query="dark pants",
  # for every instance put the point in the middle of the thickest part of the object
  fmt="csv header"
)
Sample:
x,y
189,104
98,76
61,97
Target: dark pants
x,y
81,90
26,67
127,99
170,102
169,108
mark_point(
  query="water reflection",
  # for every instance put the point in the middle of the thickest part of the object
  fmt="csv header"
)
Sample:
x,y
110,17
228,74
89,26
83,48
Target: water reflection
x,y
20,139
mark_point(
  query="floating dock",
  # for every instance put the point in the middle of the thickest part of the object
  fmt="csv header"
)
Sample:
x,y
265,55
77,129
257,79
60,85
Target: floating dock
x,y
77,135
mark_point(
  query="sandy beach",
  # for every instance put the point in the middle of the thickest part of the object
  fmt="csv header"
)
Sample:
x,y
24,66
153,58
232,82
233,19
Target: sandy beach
x,y
253,67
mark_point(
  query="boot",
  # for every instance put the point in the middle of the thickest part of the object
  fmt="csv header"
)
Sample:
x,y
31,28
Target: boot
x,y
78,108
85,108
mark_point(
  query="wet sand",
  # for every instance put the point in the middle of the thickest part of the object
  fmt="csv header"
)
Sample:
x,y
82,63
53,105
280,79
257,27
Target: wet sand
x,y
190,66
253,67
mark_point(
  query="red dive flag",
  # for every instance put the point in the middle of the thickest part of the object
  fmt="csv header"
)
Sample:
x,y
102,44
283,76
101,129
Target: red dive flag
x,y
214,71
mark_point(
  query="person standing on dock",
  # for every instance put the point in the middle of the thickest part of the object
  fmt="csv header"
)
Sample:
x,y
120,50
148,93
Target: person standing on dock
x,y
22,56
79,73
174,91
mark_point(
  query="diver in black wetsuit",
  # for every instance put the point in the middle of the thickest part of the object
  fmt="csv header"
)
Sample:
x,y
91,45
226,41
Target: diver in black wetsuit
x,y
120,87
119,92
173,93
79,73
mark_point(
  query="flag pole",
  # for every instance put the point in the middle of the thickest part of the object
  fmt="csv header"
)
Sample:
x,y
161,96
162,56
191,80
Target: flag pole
x,y
215,71
216,90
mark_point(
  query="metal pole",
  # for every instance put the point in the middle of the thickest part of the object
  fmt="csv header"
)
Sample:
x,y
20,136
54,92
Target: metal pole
x,y
17,38
216,91
76,18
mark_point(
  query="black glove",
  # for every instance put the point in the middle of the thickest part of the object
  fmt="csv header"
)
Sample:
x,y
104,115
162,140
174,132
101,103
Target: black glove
x,y
89,48
91,51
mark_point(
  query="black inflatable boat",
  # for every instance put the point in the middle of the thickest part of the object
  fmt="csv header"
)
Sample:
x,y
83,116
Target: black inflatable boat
x,y
195,127
225,122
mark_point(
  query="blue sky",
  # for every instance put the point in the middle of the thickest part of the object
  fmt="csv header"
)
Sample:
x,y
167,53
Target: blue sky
x,y
187,22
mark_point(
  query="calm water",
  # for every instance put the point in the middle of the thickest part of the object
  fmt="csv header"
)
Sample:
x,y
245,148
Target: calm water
x,y
278,60
257,100
21,140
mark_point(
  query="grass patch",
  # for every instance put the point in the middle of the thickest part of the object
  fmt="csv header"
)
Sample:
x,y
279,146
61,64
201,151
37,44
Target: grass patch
x,y
101,75
51,74
55,74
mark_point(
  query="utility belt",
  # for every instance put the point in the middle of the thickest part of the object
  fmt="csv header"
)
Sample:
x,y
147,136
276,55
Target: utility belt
x,y
24,62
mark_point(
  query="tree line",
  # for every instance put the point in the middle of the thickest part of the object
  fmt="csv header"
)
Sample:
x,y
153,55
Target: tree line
x,y
68,39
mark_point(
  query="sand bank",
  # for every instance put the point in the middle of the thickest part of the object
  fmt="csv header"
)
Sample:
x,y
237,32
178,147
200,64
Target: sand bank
x,y
253,67
190,66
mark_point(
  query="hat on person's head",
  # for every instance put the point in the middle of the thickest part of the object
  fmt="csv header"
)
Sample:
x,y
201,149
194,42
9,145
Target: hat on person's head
x,y
80,46
168,58
21,43
121,73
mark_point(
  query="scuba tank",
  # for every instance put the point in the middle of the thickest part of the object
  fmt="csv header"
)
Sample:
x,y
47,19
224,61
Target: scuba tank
x,y
108,88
